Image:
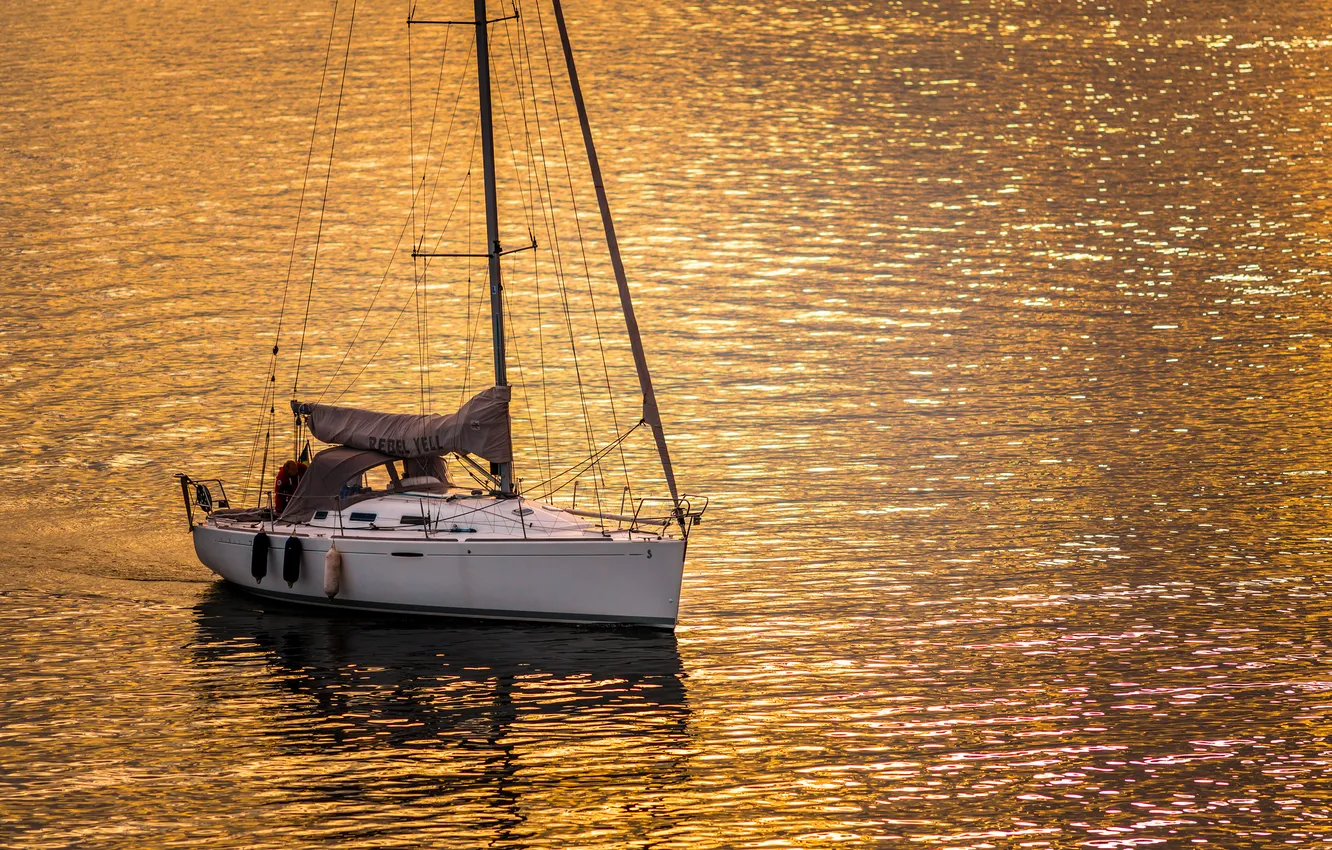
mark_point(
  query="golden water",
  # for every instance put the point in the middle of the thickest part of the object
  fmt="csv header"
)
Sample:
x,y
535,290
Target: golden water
x,y
995,331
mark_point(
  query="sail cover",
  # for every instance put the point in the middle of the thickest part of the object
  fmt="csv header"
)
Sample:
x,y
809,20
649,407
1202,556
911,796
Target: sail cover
x,y
480,427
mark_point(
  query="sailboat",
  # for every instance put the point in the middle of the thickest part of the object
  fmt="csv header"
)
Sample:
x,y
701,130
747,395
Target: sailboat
x,y
417,542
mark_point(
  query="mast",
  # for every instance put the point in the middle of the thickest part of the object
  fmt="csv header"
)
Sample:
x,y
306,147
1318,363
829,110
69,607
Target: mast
x,y
503,470
650,413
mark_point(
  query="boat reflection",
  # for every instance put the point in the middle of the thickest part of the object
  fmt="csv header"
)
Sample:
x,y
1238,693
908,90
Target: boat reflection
x,y
414,678
492,719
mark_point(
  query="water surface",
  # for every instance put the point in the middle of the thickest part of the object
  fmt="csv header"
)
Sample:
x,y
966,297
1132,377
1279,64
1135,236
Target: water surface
x,y
995,332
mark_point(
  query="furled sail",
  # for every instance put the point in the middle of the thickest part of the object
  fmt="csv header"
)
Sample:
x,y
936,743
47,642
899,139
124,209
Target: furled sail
x,y
480,427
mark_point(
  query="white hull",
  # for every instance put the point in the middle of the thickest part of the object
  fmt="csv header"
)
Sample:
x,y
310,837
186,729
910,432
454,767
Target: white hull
x,y
607,580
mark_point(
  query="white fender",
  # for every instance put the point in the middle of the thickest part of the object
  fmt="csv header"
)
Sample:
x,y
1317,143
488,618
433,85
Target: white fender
x,y
332,571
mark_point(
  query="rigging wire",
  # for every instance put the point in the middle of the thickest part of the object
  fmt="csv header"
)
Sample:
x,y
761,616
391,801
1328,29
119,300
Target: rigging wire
x,y
267,412
508,132
518,367
411,126
587,272
551,227
448,134
524,197
417,273
590,461
535,181
423,324
323,207
558,254
417,190
541,358
374,298
389,334
467,336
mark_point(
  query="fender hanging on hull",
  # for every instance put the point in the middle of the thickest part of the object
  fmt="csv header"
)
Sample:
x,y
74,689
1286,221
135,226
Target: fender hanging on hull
x,y
259,557
332,571
291,561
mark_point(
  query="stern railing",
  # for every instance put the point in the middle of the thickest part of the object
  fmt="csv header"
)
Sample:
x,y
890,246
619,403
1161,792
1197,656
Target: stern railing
x,y
199,493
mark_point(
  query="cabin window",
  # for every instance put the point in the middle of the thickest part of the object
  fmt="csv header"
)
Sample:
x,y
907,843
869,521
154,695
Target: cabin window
x,y
414,520
377,478
362,517
321,515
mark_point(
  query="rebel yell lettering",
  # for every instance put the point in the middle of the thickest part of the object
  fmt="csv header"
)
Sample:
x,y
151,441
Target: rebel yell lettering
x,y
427,444
415,447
